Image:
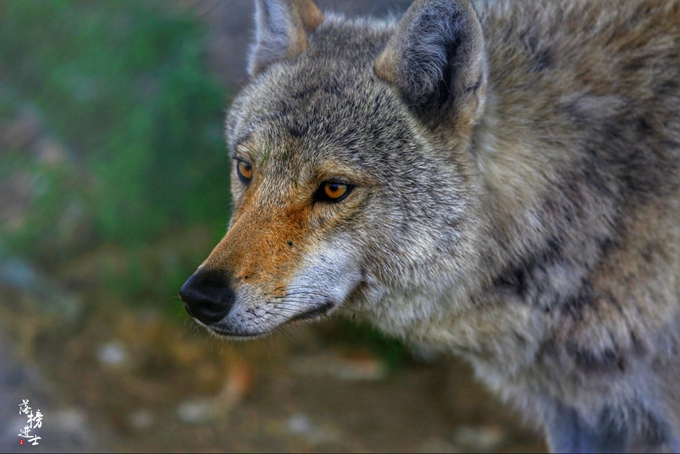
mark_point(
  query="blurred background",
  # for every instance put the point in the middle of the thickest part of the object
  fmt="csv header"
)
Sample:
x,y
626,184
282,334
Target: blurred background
x,y
113,189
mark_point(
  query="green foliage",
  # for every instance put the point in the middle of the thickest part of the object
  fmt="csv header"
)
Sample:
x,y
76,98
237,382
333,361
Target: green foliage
x,y
124,85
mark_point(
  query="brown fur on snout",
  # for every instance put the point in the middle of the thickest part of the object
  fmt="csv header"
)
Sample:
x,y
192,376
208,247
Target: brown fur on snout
x,y
263,246
276,222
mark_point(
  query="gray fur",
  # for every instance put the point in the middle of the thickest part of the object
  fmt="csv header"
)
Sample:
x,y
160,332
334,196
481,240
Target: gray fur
x,y
272,39
527,217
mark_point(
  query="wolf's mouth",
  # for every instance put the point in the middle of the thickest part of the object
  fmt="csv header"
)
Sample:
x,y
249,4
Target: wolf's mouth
x,y
313,313
235,334
242,335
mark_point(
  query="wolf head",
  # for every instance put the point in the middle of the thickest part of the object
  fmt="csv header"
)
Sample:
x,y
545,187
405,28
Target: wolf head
x,y
350,174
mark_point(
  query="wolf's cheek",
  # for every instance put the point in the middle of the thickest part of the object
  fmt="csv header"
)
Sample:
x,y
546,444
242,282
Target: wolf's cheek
x,y
327,276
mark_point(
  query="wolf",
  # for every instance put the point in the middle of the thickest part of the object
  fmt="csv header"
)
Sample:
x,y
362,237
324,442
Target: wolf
x,y
500,180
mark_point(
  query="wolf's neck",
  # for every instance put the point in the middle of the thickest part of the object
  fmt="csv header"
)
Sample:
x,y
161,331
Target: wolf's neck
x,y
513,181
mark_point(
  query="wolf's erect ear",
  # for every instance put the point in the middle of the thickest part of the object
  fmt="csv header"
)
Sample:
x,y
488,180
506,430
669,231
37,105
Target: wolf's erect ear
x,y
282,31
436,59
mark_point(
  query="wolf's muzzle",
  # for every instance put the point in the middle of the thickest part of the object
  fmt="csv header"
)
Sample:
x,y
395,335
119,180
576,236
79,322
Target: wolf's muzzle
x,y
207,296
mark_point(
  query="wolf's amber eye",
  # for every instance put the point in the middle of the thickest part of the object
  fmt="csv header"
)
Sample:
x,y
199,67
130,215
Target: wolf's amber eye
x,y
333,192
245,171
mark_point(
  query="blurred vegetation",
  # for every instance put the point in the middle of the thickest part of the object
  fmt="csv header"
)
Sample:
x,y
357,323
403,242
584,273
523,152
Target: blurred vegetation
x,y
361,334
124,86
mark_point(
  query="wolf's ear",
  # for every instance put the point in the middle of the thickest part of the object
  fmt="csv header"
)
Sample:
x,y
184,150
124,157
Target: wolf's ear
x,y
282,31
436,59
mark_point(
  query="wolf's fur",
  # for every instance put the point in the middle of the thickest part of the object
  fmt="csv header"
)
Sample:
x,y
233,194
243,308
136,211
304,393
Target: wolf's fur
x,y
517,197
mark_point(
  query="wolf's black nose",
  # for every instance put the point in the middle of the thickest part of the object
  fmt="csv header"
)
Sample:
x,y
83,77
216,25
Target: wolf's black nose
x,y
207,296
